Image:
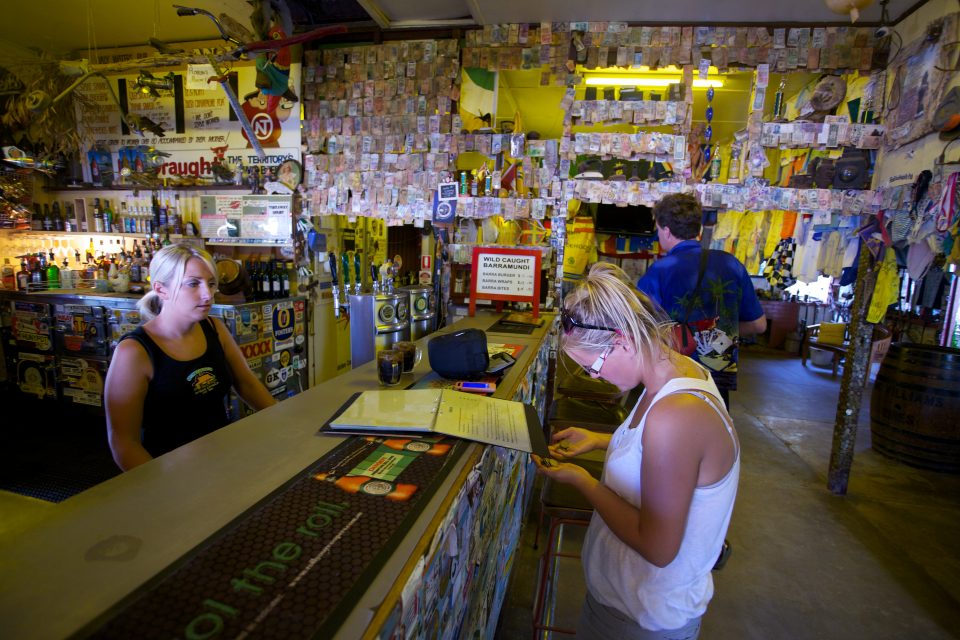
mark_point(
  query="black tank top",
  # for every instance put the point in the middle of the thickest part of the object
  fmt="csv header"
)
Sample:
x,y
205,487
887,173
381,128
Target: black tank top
x,y
185,399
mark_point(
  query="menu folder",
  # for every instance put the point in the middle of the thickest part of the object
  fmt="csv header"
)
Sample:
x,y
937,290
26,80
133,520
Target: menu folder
x,y
418,412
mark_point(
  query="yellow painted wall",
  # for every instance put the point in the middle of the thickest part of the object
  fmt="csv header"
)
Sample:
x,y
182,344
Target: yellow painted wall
x,y
920,154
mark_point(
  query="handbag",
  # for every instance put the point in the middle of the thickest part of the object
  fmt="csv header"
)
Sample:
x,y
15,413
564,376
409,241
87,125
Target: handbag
x,y
824,172
851,170
684,336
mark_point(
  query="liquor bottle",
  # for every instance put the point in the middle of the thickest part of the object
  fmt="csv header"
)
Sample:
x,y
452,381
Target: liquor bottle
x,y
23,276
38,271
285,281
265,286
136,272
155,206
90,252
253,277
69,222
97,217
47,218
36,220
9,279
124,218
276,284
107,217
137,253
53,273
164,210
66,276
370,486
176,216
57,218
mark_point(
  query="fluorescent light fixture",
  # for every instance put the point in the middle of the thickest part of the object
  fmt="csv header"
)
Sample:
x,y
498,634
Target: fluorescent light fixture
x,y
634,81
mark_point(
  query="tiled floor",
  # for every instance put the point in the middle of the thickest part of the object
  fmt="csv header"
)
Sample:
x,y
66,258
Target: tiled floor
x,y
881,562
50,452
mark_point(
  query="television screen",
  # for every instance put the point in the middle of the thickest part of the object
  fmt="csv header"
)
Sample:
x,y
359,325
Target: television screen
x,y
625,221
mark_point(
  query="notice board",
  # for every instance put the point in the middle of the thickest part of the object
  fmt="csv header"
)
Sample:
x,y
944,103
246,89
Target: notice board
x,y
504,274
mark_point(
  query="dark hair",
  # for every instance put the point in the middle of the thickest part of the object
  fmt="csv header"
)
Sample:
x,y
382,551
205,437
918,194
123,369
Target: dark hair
x,y
681,213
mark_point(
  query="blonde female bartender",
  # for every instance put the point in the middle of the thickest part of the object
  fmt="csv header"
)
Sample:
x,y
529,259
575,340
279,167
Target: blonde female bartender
x,y
168,379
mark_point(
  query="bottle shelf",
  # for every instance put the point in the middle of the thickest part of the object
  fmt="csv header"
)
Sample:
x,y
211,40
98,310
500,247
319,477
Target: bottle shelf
x,y
139,187
74,234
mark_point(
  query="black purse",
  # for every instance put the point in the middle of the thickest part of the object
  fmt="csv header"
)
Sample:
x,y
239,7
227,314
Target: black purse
x,y
851,170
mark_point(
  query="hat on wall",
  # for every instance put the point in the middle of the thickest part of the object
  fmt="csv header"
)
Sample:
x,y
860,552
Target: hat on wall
x,y
829,93
946,119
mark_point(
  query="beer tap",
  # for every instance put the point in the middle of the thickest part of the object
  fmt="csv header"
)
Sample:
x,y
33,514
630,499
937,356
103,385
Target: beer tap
x,y
345,268
395,266
358,283
375,278
335,289
386,277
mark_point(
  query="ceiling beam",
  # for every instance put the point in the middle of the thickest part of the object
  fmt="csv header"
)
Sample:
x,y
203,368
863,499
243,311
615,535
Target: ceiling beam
x,y
476,12
375,12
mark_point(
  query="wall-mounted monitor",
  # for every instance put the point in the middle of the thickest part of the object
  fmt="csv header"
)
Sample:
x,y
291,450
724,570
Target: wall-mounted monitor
x,y
625,221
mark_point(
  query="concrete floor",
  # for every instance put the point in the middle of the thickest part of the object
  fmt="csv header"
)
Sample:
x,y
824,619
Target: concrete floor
x,y
881,562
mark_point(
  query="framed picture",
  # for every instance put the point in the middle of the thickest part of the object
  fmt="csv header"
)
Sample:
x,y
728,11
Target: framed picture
x,y
917,80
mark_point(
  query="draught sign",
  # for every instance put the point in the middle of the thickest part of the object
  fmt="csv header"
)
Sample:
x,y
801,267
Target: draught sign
x,y
505,274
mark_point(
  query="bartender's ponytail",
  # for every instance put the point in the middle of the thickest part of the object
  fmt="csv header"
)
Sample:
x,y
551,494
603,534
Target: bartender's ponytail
x,y
149,305
167,267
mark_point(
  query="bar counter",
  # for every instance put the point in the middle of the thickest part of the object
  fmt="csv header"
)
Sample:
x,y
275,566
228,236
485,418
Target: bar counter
x,y
64,567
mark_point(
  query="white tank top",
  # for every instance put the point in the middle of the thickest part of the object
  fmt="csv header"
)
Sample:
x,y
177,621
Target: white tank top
x,y
617,576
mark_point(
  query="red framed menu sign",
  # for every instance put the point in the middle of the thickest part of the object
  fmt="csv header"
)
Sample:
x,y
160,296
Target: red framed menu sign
x,y
501,274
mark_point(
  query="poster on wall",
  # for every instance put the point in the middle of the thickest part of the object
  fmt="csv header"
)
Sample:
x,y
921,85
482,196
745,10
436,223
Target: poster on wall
x,y
192,120
246,219
502,274
916,80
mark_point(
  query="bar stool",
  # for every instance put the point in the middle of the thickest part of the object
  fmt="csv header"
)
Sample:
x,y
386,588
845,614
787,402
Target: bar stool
x,y
603,417
564,506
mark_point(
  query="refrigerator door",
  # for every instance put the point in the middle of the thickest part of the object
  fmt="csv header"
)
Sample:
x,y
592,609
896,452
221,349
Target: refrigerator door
x,y
31,325
81,379
36,374
285,371
121,321
81,329
272,337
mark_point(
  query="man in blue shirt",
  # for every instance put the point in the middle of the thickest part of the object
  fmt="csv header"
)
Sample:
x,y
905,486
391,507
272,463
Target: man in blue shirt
x,y
726,306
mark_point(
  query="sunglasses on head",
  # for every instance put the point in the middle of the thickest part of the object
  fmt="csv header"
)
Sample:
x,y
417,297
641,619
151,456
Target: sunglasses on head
x,y
568,322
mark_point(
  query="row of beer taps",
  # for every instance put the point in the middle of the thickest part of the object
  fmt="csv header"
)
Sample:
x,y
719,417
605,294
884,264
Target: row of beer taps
x,y
381,278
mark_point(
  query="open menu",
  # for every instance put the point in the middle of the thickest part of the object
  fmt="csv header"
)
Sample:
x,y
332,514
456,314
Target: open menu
x,y
418,412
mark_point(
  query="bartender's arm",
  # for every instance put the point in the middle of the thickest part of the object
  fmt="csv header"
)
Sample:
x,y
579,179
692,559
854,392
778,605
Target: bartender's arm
x,y
244,381
124,393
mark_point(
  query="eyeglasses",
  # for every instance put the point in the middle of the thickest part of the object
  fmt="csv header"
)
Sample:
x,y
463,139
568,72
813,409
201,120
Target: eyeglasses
x,y
597,365
568,322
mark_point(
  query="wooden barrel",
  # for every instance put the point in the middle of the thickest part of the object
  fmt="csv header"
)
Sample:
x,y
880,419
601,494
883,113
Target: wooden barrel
x,y
915,406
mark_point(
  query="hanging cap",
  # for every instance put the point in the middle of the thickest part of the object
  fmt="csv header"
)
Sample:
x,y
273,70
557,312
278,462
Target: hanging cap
x,y
946,119
829,93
